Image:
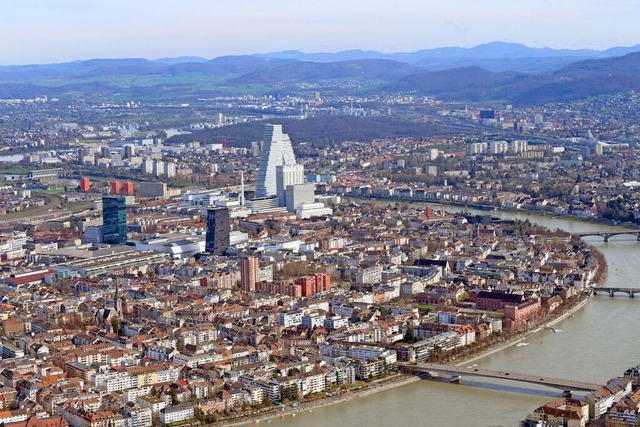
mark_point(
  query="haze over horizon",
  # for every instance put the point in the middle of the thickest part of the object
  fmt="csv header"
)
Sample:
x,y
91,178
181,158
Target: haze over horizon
x,y
38,32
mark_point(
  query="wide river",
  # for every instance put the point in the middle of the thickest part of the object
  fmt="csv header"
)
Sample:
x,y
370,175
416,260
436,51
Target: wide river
x,y
598,343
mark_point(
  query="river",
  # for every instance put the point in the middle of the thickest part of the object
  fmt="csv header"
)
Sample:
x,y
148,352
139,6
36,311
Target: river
x,y
598,343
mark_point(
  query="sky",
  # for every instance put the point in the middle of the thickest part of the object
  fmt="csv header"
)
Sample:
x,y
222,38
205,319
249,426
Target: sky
x,y
50,31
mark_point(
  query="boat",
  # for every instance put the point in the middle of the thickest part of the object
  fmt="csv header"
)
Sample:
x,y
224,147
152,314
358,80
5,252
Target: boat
x,y
522,344
455,378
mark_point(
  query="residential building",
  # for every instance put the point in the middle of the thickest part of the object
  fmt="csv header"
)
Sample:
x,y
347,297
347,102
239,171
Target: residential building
x,y
249,269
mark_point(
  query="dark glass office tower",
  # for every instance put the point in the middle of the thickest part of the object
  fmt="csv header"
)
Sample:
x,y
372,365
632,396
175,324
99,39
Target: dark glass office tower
x,y
218,229
114,220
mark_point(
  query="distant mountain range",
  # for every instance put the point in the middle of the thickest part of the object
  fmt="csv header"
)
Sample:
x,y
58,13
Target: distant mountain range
x,y
495,56
492,72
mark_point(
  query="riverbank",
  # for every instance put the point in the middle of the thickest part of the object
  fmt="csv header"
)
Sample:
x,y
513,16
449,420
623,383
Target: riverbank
x,y
486,210
398,380
526,335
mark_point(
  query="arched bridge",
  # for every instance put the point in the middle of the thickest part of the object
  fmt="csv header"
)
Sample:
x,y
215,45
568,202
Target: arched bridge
x,y
609,234
513,376
613,291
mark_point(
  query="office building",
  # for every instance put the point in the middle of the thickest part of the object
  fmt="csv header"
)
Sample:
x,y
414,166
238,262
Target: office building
x,y
129,151
114,220
297,194
287,175
276,151
152,189
218,230
249,270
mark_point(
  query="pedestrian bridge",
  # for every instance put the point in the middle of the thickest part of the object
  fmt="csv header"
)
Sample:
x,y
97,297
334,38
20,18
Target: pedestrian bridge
x,y
513,376
609,234
613,291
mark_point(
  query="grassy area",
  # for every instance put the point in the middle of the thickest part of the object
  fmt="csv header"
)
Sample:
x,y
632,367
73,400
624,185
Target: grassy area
x,y
53,191
14,171
357,384
47,209
426,307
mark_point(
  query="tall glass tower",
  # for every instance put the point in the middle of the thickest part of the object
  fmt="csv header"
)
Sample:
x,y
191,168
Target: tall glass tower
x,y
114,220
276,151
218,229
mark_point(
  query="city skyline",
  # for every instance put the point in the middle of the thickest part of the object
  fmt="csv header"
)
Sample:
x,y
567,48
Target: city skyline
x,y
68,30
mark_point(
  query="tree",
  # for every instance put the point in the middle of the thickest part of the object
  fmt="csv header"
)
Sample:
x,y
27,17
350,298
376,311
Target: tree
x,y
115,325
409,336
293,371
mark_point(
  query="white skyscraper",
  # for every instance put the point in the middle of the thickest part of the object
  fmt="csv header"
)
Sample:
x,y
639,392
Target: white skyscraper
x,y
276,151
287,175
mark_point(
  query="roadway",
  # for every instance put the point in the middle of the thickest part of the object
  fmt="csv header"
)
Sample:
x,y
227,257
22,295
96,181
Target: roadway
x,y
563,384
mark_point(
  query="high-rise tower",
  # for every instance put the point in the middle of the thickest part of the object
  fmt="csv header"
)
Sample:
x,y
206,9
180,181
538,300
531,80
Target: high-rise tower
x,y
249,267
114,220
276,151
218,229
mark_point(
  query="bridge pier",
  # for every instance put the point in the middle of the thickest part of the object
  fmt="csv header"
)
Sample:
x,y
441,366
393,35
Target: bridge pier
x,y
611,293
606,238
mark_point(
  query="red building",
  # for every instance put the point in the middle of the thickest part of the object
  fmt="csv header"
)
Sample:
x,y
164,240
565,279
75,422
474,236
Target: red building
x,y
85,184
279,288
489,300
116,187
127,188
517,315
249,273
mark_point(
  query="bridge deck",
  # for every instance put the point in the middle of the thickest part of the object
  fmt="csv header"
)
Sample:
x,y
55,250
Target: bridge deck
x,y
609,234
513,376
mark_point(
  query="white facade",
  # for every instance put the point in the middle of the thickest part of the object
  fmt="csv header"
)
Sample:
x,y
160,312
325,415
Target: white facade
x,y
287,175
292,318
309,210
297,194
177,413
498,147
276,151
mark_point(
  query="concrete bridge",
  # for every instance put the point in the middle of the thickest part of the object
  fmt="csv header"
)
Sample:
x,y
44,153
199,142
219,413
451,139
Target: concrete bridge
x,y
607,235
613,291
562,384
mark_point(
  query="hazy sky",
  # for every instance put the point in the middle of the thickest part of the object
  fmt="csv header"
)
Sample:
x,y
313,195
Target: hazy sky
x,y
44,31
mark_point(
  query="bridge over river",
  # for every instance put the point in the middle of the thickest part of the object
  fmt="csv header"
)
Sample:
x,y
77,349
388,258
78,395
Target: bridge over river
x,y
513,376
609,234
613,291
